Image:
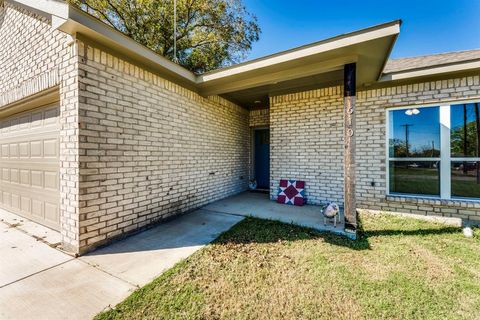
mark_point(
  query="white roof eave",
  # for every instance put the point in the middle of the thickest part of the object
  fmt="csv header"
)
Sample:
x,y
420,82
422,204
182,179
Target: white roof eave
x,y
302,52
431,71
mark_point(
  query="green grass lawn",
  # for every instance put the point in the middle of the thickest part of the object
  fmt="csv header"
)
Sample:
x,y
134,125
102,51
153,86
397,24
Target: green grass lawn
x,y
399,269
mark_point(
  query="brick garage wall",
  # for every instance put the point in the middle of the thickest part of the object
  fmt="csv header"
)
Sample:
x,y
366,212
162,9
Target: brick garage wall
x,y
150,149
33,58
29,47
306,143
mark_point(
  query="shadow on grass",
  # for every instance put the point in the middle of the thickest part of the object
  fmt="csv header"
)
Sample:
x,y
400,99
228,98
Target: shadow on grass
x,y
416,232
254,230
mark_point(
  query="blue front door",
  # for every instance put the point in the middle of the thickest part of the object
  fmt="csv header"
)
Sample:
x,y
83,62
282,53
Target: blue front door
x,y
262,158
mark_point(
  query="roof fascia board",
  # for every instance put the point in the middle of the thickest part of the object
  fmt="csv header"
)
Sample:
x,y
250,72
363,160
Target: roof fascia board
x,y
104,31
323,46
57,22
431,71
390,49
46,8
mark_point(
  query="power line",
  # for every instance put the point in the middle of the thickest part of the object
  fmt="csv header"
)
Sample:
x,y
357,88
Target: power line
x,y
175,58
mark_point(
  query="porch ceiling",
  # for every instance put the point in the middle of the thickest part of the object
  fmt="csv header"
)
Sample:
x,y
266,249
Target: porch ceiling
x,y
313,66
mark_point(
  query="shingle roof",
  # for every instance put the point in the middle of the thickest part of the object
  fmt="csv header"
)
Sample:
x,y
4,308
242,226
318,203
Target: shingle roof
x,y
403,64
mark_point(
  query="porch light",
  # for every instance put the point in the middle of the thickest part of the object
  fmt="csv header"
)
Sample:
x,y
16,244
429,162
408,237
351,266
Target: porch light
x,y
411,112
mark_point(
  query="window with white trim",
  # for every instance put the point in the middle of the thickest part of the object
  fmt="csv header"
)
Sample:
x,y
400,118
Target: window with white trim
x,y
434,151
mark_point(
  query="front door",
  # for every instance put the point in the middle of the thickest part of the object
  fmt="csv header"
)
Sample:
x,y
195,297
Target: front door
x,y
262,158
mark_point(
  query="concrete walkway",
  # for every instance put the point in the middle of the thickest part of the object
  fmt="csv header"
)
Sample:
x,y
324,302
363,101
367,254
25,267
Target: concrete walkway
x,y
40,282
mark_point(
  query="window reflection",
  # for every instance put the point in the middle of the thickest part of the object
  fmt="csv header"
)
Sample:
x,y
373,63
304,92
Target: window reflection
x,y
465,130
415,133
466,179
415,177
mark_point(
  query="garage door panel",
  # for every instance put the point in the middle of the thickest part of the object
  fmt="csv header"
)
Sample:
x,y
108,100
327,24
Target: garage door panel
x,y
14,176
50,148
43,179
50,116
13,150
32,147
25,204
4,150
36,149
37,208
29,165
23,150
7,199
5,174
25,177
51,211
51,180
15,201
36,119
37,178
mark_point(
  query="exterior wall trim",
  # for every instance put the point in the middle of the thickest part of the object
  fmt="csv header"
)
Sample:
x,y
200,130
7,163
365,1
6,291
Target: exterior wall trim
x,y
30,87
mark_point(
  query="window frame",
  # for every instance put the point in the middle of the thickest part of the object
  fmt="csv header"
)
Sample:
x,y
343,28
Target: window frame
x,y
445,151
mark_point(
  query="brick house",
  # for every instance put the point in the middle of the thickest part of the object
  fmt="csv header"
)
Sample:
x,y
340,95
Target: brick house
x,y
100,136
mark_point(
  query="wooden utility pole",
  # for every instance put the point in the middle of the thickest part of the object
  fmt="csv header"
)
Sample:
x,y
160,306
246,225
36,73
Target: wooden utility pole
x,y
407,151
465,144
349,97
477,149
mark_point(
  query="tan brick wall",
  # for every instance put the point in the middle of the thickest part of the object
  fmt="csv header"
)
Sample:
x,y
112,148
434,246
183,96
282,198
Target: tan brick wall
x,y
69,149
34,57
150,149
306,143
259,118
29,47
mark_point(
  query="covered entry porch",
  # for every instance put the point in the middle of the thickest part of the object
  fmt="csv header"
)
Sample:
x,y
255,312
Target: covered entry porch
x,y
312,136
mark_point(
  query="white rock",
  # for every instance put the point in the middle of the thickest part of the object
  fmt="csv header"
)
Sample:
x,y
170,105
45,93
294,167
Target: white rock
x,y
468,232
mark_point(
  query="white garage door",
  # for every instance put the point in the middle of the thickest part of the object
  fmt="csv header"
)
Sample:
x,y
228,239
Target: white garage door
x,y
29,165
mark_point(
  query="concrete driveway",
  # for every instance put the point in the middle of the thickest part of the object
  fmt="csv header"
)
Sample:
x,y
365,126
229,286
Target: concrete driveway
x,y
40,282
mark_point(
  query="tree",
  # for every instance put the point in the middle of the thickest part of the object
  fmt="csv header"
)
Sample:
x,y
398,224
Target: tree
x,y
210,33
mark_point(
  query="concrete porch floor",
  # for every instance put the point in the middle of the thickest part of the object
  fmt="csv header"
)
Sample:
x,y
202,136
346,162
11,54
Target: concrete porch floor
x,y
259,205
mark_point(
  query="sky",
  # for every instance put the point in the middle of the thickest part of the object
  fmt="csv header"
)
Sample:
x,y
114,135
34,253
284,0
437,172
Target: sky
x,y
428,26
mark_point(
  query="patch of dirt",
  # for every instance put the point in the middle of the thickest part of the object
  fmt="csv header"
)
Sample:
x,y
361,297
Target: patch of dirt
x,y
14,225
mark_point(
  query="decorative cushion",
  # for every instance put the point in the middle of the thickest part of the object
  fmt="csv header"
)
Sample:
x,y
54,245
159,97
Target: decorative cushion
x,y
291,192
